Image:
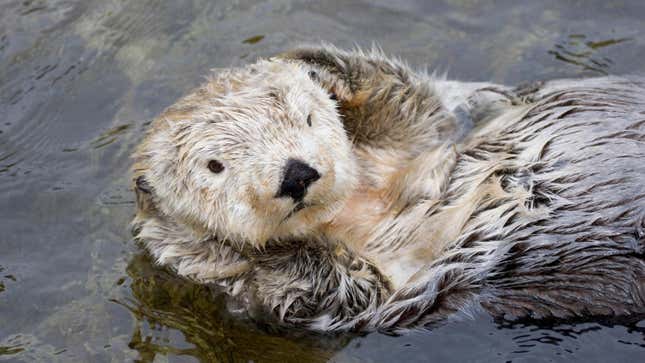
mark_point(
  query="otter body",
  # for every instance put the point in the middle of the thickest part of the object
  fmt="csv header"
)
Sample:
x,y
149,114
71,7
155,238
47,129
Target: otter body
x,y
342,191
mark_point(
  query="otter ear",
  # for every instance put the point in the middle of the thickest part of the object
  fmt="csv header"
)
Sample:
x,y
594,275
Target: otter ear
x,y
327,57
330,67
141,185
144,196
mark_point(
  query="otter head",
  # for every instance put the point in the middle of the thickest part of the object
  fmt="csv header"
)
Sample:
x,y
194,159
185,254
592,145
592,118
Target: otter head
x,y
256,153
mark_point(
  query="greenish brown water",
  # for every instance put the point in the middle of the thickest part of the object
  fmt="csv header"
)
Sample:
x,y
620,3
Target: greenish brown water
x,y
80,80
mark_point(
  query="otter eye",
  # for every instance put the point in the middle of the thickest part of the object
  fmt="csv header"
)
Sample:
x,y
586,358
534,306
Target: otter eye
x,y
215,166
309,120
313,75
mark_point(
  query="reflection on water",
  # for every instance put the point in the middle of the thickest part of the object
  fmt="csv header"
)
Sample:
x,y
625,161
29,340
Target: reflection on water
x,y
79,82
5,279
12,346
586,54
253,39
162,301
529,336
109,136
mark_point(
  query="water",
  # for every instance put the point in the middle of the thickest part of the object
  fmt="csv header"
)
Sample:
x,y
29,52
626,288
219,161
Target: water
x,y
80,80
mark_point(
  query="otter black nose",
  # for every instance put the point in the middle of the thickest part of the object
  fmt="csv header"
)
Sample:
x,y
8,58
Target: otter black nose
x,y
297,178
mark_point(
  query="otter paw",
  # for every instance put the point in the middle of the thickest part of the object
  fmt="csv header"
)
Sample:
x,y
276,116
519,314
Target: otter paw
x,y
321,289
358,290
291,299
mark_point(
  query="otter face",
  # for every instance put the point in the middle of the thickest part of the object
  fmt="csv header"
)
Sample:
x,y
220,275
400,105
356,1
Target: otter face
x,y
255,154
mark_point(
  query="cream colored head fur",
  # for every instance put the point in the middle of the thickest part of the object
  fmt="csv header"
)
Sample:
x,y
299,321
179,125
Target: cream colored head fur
x,y
250,121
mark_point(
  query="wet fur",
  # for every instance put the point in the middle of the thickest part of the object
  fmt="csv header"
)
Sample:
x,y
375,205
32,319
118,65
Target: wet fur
x,y
528,202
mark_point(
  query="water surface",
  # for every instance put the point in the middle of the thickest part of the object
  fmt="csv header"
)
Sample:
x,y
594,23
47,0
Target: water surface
x,y
81,79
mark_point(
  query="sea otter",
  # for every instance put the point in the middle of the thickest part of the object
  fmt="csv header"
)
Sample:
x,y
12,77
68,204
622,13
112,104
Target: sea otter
x,y
341,190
